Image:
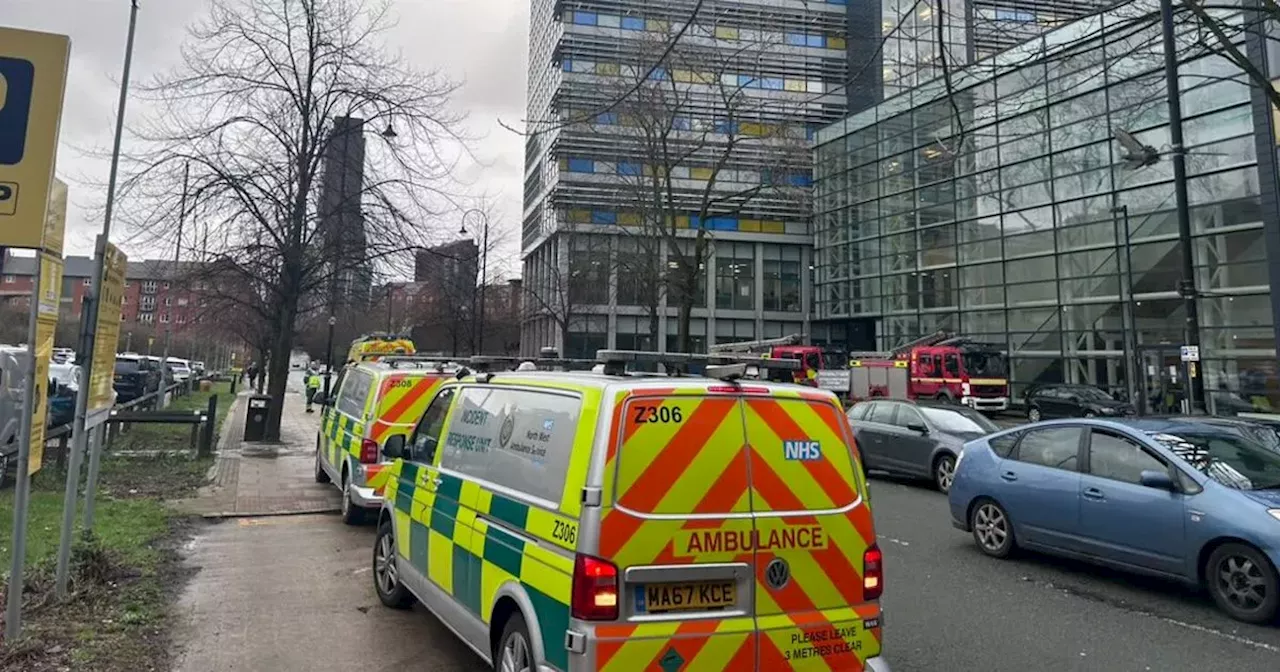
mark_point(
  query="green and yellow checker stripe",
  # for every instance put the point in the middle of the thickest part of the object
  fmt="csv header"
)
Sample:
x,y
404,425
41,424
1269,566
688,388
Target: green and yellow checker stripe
x,y
471,542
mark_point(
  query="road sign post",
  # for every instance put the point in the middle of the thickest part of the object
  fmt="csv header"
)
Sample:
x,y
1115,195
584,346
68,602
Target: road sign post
x,y
33,78
103,341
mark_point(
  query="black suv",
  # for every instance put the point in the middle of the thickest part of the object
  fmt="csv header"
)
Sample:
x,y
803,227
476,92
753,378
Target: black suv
x,y
134,377
1073,401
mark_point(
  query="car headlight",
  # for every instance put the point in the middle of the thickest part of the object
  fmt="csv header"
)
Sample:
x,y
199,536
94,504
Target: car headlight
x,y
1275,513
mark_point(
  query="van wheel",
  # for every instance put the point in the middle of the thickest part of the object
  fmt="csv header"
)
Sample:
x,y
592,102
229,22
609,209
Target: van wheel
x,y
515,653
352,513
992,529
322,476
1243,583
386,575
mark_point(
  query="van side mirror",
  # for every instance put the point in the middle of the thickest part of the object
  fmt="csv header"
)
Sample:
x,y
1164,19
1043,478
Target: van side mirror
x,y
393,449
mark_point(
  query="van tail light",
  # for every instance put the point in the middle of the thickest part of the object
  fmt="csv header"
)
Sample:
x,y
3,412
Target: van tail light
x,y
965,389
368,451
595,589
872,573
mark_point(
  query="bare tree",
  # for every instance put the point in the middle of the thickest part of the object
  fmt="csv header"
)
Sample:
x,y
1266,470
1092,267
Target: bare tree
x,y
695,144
251,111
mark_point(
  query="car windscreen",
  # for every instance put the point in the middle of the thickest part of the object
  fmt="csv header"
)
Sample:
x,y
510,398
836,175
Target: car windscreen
x,y
1089,393
955,420
984,364
125,366
1230,459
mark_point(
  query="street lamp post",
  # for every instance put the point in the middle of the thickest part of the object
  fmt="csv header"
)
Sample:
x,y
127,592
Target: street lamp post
x,y
484,263
328,357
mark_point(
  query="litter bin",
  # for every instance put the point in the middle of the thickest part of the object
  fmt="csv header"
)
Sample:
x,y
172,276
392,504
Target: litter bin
x,y
255,421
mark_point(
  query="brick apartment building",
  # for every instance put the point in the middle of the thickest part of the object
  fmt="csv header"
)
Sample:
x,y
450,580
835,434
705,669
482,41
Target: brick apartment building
x,y
154,292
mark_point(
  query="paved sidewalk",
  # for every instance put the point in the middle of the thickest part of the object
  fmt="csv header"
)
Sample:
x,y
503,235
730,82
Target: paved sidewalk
x,y
259,479
274,592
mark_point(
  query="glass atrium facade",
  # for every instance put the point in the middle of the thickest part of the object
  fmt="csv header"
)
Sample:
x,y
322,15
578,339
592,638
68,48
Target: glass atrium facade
x,y
1006,212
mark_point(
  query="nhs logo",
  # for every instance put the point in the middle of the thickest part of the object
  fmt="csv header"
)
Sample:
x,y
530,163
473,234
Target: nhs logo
x,y
807,451
17,78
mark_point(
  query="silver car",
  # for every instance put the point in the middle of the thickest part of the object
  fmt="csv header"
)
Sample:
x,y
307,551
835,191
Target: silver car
x,y
911,439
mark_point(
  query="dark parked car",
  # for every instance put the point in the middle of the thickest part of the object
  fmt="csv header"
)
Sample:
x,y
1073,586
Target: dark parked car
x,y
134,377
913,439
1181,498
1073,401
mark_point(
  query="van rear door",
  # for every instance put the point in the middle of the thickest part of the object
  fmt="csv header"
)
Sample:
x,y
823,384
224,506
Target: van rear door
x,y
814,530
676,524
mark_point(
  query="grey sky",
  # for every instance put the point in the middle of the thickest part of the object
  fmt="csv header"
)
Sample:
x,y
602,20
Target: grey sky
x,y
481,43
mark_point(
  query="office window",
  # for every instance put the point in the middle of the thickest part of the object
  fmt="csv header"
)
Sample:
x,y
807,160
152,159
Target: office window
x,y
782,278
164,318
735,275
9,279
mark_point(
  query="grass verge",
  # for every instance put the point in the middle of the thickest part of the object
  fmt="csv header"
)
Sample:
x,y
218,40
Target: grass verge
x,y
125,577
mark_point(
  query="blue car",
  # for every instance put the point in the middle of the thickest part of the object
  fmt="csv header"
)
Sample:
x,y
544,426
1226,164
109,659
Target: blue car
x,y
1171,497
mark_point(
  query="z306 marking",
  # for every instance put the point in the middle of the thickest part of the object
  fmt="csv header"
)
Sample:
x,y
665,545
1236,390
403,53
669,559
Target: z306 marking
x,y
566,532
658,414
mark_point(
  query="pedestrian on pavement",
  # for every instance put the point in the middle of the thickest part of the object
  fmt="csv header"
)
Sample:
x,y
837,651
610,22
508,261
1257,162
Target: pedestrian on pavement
x,y
313,386
253,374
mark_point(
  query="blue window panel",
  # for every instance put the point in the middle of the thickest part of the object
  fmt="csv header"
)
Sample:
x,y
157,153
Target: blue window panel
x,y
722,224
604,217
658,73
607,118
681,123
816,41
749,81
695,222
801,180
582,166
797,39
810,132
838,2
724,126
567,65
632,23
628,168
585,18
774,83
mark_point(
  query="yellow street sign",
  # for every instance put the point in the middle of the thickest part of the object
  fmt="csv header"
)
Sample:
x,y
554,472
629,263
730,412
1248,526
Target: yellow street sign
x,y
33,77
49,290
106,336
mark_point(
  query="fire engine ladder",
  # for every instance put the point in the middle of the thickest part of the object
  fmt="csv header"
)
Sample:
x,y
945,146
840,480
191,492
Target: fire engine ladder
x,y
932,339
755,346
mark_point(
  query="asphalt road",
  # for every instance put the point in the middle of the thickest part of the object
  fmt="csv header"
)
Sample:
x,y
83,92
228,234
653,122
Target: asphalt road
x,y
950,608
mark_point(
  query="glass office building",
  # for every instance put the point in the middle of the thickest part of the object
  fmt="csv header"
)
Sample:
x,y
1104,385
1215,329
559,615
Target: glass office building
x,y
1007,212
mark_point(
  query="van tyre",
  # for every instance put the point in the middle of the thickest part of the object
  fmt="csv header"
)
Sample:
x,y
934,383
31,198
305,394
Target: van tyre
x,y
386,575
515,649
992,529
1243,583
352,513
322,476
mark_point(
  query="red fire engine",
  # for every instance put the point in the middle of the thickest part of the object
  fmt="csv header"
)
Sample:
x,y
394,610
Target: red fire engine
x,y
940,366
812,357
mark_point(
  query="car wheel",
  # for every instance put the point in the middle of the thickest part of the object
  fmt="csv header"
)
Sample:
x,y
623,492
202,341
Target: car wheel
x,y
386,575
352,513
1243,583
514,654
322,476
944,472
1033,414
992,529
